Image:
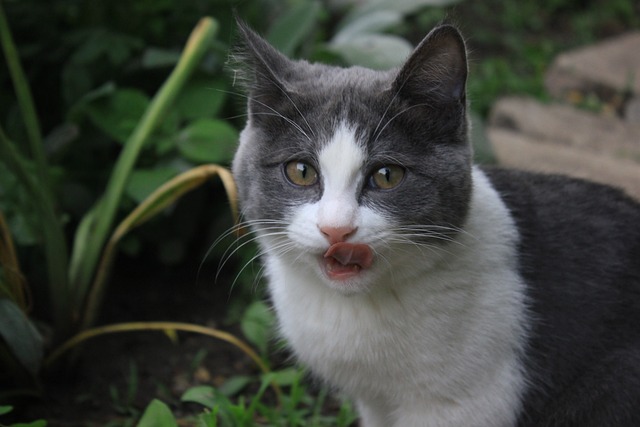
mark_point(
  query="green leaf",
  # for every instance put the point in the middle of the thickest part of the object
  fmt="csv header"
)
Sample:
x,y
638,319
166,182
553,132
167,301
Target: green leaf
x,y
143,182
157,414
377,51
293,27
21,336
257,325
201,98
405,7
284,377
204,395
208,141
159,58
118,114
37,423
5,409
234,385
368,23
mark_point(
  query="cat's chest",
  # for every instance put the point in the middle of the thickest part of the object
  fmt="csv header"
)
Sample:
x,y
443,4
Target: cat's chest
x,y
426,334
443,330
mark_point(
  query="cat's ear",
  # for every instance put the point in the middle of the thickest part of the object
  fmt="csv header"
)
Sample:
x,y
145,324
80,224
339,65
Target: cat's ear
x,y
436,71
259,65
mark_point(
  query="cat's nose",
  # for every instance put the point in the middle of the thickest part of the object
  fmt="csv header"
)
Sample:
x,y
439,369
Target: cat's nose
x,y
337,234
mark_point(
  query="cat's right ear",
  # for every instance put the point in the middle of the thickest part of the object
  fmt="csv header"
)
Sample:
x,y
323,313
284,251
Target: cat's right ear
x,y
258,65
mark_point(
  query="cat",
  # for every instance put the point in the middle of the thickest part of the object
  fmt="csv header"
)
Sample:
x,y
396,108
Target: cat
x,y
431,291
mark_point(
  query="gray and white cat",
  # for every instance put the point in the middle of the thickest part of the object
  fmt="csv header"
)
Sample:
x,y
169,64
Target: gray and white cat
x,y
429,290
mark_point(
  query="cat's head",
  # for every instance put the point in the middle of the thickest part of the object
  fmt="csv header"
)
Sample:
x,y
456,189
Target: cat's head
x,y
342,170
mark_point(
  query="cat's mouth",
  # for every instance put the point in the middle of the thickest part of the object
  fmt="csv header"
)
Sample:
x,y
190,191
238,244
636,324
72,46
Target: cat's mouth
x,y
345,260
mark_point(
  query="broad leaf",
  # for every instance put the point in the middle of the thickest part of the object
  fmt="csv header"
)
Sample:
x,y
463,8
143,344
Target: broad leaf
x,y
404,7
294,26
208,141
369,23
159,58
234,385
201,98
204,395
375,51
21,336
143,182
257,325
157,414
118,114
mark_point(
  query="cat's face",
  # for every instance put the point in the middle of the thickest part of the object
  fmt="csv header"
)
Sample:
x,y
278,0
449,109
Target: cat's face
x,y
347,171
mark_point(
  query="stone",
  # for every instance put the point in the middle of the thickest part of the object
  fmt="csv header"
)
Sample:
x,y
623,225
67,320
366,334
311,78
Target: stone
x,y
632,111
569,127
520,151
612,65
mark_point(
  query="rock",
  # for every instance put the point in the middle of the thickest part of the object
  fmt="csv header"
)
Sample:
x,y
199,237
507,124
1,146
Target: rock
x,y
632,111
520,151
567,126
612,65
559,138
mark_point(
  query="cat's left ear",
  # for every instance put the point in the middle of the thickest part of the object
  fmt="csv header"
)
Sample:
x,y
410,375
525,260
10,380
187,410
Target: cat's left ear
x,y
265,69
436,71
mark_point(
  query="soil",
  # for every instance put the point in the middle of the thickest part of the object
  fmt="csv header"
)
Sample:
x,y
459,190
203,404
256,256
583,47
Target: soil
x,y
116,376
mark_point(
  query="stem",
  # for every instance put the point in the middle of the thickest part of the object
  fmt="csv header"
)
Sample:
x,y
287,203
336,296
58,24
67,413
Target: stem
x,y
162,326
83,264
53,236
25,100
166,194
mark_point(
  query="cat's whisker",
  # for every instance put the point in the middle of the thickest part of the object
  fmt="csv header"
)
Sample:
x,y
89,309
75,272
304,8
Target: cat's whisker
x,y
231,251
276,113
396,116
246,239
260,254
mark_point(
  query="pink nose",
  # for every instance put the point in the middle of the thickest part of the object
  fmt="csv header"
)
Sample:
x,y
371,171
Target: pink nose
x,y
337,234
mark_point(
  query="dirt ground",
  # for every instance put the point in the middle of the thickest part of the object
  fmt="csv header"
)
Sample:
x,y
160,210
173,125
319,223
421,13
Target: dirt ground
x,y
116,376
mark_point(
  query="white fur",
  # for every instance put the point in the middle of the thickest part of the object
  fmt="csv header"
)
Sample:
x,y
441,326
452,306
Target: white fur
x,y
340,162
422,338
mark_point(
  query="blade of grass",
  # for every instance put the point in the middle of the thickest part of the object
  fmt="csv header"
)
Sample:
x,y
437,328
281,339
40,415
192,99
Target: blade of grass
x,y
83,264
162,197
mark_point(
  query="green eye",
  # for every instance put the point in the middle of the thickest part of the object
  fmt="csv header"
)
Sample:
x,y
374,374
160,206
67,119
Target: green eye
x,y
386,177
300,173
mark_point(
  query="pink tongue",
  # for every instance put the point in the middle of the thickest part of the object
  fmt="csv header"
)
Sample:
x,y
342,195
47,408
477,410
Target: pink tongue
x,y
351,254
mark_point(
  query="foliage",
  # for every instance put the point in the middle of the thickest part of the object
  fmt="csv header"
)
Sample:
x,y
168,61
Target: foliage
x,y
74,288
7,409
513,43
299,407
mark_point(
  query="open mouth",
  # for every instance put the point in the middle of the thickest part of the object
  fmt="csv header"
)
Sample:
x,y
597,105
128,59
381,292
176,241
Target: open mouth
x,y
346,260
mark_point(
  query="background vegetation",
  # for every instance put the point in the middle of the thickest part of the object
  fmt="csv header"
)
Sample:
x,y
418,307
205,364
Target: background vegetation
x,y
94,67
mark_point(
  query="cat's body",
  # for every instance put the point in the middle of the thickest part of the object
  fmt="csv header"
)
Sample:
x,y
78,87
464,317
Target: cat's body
x,y
430,291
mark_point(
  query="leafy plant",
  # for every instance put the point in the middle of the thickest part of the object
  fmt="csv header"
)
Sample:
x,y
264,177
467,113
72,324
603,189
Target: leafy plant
x,y
298,406
7,409
76,282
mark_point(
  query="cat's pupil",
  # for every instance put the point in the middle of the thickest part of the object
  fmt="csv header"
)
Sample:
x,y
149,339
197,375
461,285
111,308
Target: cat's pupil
x,y
300,173
387,177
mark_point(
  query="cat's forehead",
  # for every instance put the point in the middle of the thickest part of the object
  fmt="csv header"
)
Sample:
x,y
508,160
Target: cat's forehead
x,y
331,80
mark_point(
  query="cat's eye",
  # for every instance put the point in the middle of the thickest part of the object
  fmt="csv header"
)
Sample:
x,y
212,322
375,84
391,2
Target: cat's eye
x,y
301,173
387,177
